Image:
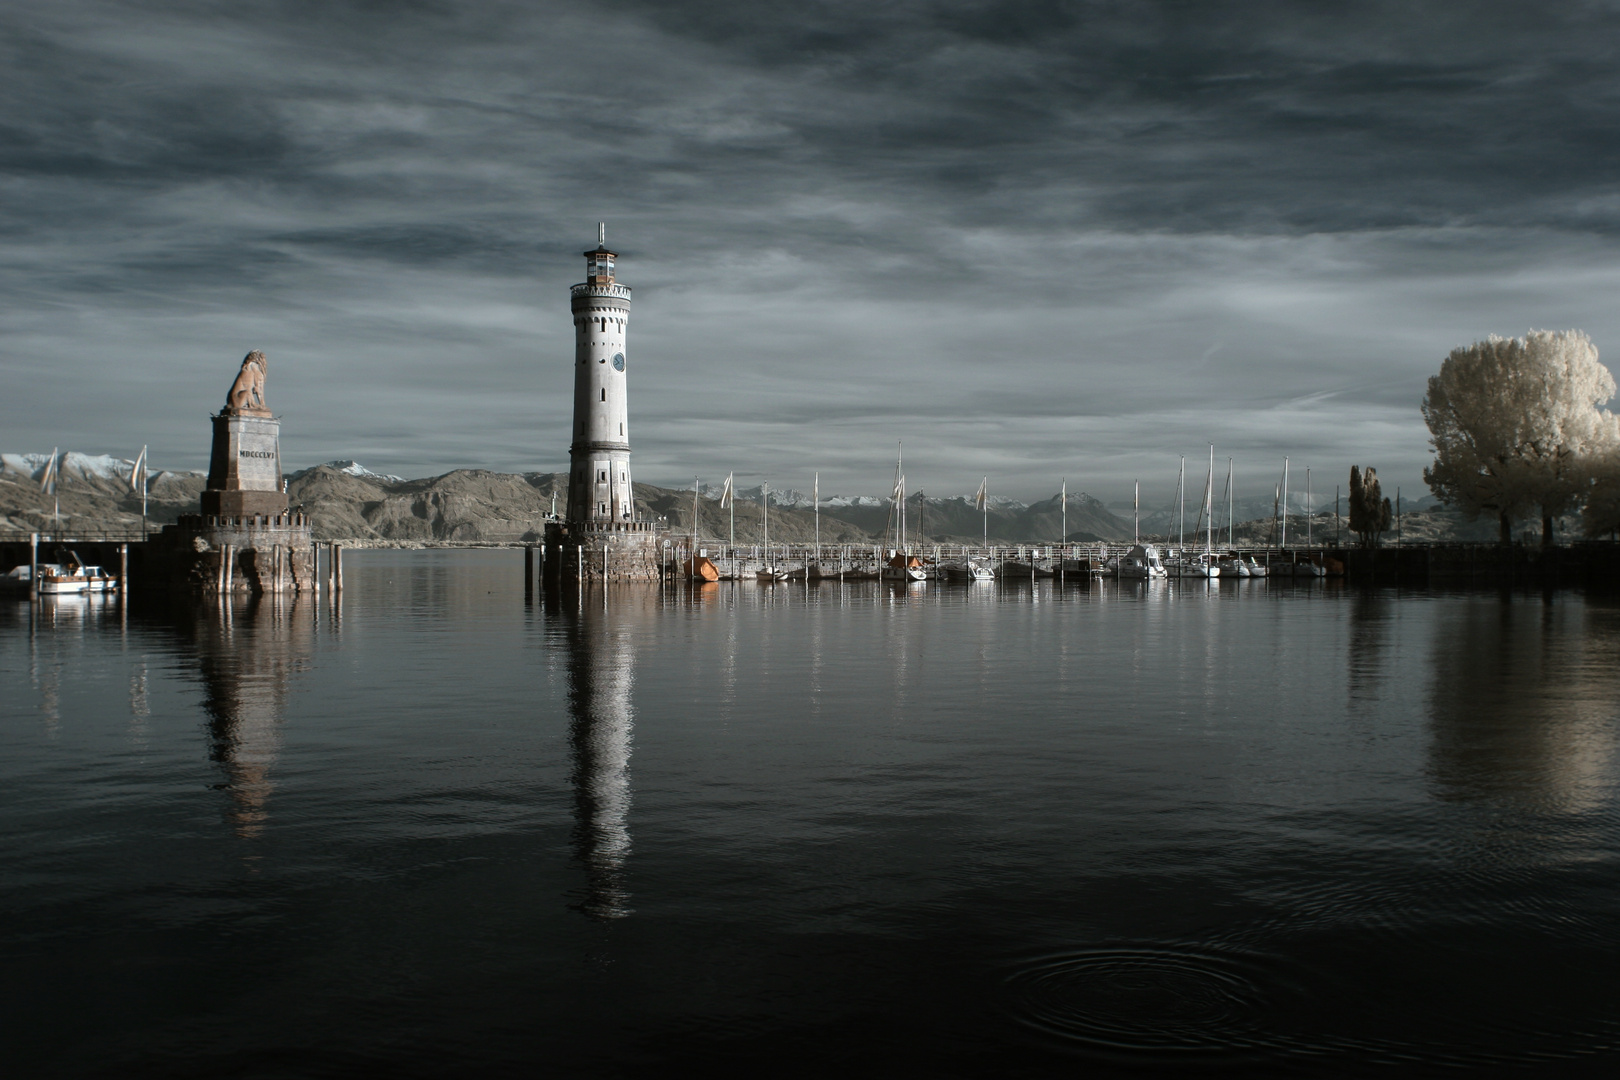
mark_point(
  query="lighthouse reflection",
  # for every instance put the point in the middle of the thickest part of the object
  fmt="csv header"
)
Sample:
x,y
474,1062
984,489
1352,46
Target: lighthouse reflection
x,y
598,634
247,655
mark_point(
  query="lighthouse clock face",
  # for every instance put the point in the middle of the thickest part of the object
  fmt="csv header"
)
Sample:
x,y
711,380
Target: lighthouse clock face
x,y
618,361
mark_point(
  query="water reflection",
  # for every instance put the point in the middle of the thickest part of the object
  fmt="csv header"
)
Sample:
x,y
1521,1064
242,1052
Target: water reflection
x,y
247,655
597,632
1523,703
1371,616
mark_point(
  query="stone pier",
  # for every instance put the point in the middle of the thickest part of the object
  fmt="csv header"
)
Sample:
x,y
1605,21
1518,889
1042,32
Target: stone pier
x,y
603,551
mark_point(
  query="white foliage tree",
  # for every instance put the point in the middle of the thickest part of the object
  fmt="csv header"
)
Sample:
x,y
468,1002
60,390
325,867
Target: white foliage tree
x,y
1517,425
1602,513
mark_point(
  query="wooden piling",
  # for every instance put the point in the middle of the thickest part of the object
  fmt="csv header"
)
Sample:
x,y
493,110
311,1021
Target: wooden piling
x,y
337,566
33,565
123,569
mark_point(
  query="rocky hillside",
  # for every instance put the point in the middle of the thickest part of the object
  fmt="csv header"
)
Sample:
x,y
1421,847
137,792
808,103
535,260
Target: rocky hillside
x,y
93,493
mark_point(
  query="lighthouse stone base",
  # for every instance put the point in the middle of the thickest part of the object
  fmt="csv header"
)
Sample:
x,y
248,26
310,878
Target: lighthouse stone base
x,y
607,552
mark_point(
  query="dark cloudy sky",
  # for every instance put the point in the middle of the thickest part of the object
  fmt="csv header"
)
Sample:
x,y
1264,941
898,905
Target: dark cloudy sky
x,y
1032,239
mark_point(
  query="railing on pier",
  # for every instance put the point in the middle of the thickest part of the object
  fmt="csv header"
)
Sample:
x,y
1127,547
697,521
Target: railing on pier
x,y
81,536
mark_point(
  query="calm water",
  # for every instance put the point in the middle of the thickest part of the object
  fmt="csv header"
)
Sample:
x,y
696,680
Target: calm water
x,y
956,831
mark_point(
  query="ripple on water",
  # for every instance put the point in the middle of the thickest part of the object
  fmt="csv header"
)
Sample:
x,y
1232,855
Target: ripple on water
x,y
1154,999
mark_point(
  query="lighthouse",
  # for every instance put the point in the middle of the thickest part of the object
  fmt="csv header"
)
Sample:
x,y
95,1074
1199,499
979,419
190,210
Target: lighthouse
x,y
599,455
602,539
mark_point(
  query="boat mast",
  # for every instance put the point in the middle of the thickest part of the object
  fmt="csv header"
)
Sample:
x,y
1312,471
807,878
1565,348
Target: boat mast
x,y
899,465
1229,534
1284,542
1308,506
1181,497
1136,513
1065,536
1209,504
985,499
765,509
815,498
145,471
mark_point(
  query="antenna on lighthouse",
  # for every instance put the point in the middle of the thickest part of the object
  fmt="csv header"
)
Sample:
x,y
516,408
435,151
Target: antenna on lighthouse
x,y
601,234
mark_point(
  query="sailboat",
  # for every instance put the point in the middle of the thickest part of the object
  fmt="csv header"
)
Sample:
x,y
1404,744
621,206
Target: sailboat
x,y
1203,565
769,571
901,566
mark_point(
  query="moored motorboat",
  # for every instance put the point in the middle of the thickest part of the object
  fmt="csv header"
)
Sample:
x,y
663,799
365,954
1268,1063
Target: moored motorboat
x,y
961,570
1140,562
903,568
74,577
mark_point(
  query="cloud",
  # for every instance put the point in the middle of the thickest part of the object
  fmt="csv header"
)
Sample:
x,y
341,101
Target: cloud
x,y
1012,234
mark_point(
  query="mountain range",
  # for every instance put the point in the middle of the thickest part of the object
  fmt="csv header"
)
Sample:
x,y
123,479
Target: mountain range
x,y
347,501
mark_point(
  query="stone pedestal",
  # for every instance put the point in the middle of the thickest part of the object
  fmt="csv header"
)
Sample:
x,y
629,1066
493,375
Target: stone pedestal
x,y
249,554
244,470
625,551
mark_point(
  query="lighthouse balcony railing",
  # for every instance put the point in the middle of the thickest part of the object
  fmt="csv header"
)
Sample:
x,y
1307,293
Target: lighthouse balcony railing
x,y
636,526
585,288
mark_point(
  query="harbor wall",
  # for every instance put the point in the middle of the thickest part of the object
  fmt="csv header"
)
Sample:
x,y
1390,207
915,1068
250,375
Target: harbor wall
x,y
590,552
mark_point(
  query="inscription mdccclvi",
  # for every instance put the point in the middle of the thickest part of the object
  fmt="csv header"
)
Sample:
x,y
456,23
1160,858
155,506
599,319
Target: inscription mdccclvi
x,y
258,457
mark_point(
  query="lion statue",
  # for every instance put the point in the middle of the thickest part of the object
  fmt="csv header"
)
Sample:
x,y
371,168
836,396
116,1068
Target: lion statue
x,y
247,392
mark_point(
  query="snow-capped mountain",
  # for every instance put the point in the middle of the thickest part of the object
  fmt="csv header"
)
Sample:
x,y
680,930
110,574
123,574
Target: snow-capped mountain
x,y
73,464
794,497
353,468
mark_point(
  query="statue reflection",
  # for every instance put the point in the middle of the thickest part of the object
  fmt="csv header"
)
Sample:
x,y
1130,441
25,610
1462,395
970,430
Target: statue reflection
x,y
598,632
1522,703
247,654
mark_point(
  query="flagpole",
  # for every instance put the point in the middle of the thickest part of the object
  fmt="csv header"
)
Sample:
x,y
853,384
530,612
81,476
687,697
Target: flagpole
x,y
900,463
137,482
1063,547
47,484
815,498
728,502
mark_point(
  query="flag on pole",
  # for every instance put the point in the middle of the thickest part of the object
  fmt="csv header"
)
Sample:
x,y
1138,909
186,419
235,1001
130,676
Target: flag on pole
x,y
136,474
726,493
47,481
983,494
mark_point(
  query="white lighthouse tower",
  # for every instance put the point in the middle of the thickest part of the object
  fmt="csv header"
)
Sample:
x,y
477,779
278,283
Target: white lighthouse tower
x,y
599,457
602,540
